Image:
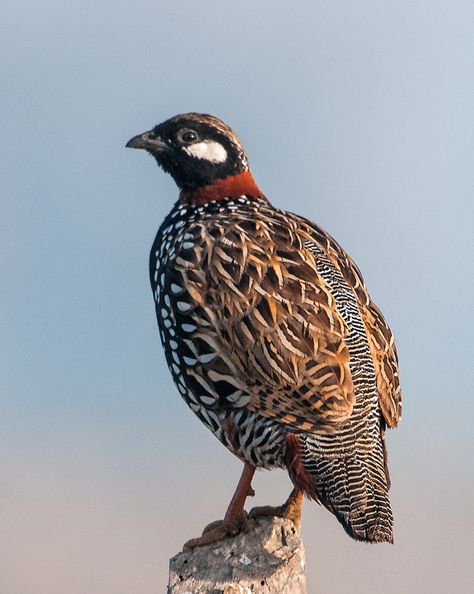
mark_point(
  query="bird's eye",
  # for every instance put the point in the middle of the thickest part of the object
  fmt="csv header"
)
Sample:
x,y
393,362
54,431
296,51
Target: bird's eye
x,y
188,136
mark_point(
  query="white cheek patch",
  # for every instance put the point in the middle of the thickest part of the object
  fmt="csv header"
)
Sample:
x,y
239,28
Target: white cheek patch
x,y
211,151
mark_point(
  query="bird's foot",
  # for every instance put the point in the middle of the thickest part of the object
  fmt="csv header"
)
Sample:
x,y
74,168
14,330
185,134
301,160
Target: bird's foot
x,y
220,529
290,510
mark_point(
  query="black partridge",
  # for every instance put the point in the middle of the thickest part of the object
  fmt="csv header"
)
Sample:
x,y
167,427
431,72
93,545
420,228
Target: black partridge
x,y
270,334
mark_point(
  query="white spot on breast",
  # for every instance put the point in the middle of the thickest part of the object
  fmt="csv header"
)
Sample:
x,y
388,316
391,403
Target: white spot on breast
x,y
183,306
243,400
234,397
191,396
209,150
176,289
207,358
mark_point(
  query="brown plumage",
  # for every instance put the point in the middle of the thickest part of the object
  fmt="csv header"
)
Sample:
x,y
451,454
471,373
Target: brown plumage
x,y
269,332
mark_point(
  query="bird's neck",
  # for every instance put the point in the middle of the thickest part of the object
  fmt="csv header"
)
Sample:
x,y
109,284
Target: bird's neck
x,y
231,186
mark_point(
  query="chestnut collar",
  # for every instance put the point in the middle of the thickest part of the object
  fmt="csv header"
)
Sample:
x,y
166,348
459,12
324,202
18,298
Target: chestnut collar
x,y
231,186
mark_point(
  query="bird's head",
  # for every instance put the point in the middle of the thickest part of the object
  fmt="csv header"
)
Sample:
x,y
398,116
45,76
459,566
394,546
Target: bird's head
x,y
202,154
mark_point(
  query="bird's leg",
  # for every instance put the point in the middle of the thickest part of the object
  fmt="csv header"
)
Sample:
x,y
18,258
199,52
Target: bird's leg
x,y
291,509
235,519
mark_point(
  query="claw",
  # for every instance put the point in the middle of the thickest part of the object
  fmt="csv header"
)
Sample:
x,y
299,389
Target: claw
x,y
219,530
290,510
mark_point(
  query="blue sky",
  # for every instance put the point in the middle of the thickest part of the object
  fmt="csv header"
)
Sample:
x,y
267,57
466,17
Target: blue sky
x,y
358,116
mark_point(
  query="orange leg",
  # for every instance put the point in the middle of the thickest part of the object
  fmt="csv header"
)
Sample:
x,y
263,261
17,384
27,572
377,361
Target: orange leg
x,y
291,509
235,519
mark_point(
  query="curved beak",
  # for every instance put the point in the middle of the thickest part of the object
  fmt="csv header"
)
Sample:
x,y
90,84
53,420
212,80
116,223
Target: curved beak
x,y
148,141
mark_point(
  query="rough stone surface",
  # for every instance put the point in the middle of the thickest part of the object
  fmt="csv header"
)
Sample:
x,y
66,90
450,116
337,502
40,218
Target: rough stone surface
x,y
268,559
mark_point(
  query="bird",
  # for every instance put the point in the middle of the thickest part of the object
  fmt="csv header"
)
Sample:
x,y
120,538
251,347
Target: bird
x,y
271,336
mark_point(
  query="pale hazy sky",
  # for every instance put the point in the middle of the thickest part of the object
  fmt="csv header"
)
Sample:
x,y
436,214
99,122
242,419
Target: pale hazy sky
x,y
358,115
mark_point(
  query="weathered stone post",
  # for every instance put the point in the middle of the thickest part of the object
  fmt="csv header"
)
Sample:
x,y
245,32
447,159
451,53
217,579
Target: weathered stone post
x,y
268,559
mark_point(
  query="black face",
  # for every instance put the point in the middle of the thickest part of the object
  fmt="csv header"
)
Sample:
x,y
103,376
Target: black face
x,y
195,149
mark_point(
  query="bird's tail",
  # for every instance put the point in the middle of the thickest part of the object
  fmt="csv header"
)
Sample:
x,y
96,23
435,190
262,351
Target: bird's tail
x,y
352,484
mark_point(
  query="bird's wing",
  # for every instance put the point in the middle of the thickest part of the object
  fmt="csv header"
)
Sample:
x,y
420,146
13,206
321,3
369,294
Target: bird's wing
x,y
271,323
384,354
380,337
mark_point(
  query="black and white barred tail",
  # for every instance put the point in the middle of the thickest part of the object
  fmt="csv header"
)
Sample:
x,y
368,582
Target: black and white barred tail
x,y
349,466
352,487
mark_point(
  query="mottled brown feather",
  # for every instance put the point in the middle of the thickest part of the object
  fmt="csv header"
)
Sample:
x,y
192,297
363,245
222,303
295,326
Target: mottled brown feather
x,y
384,354
275,323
